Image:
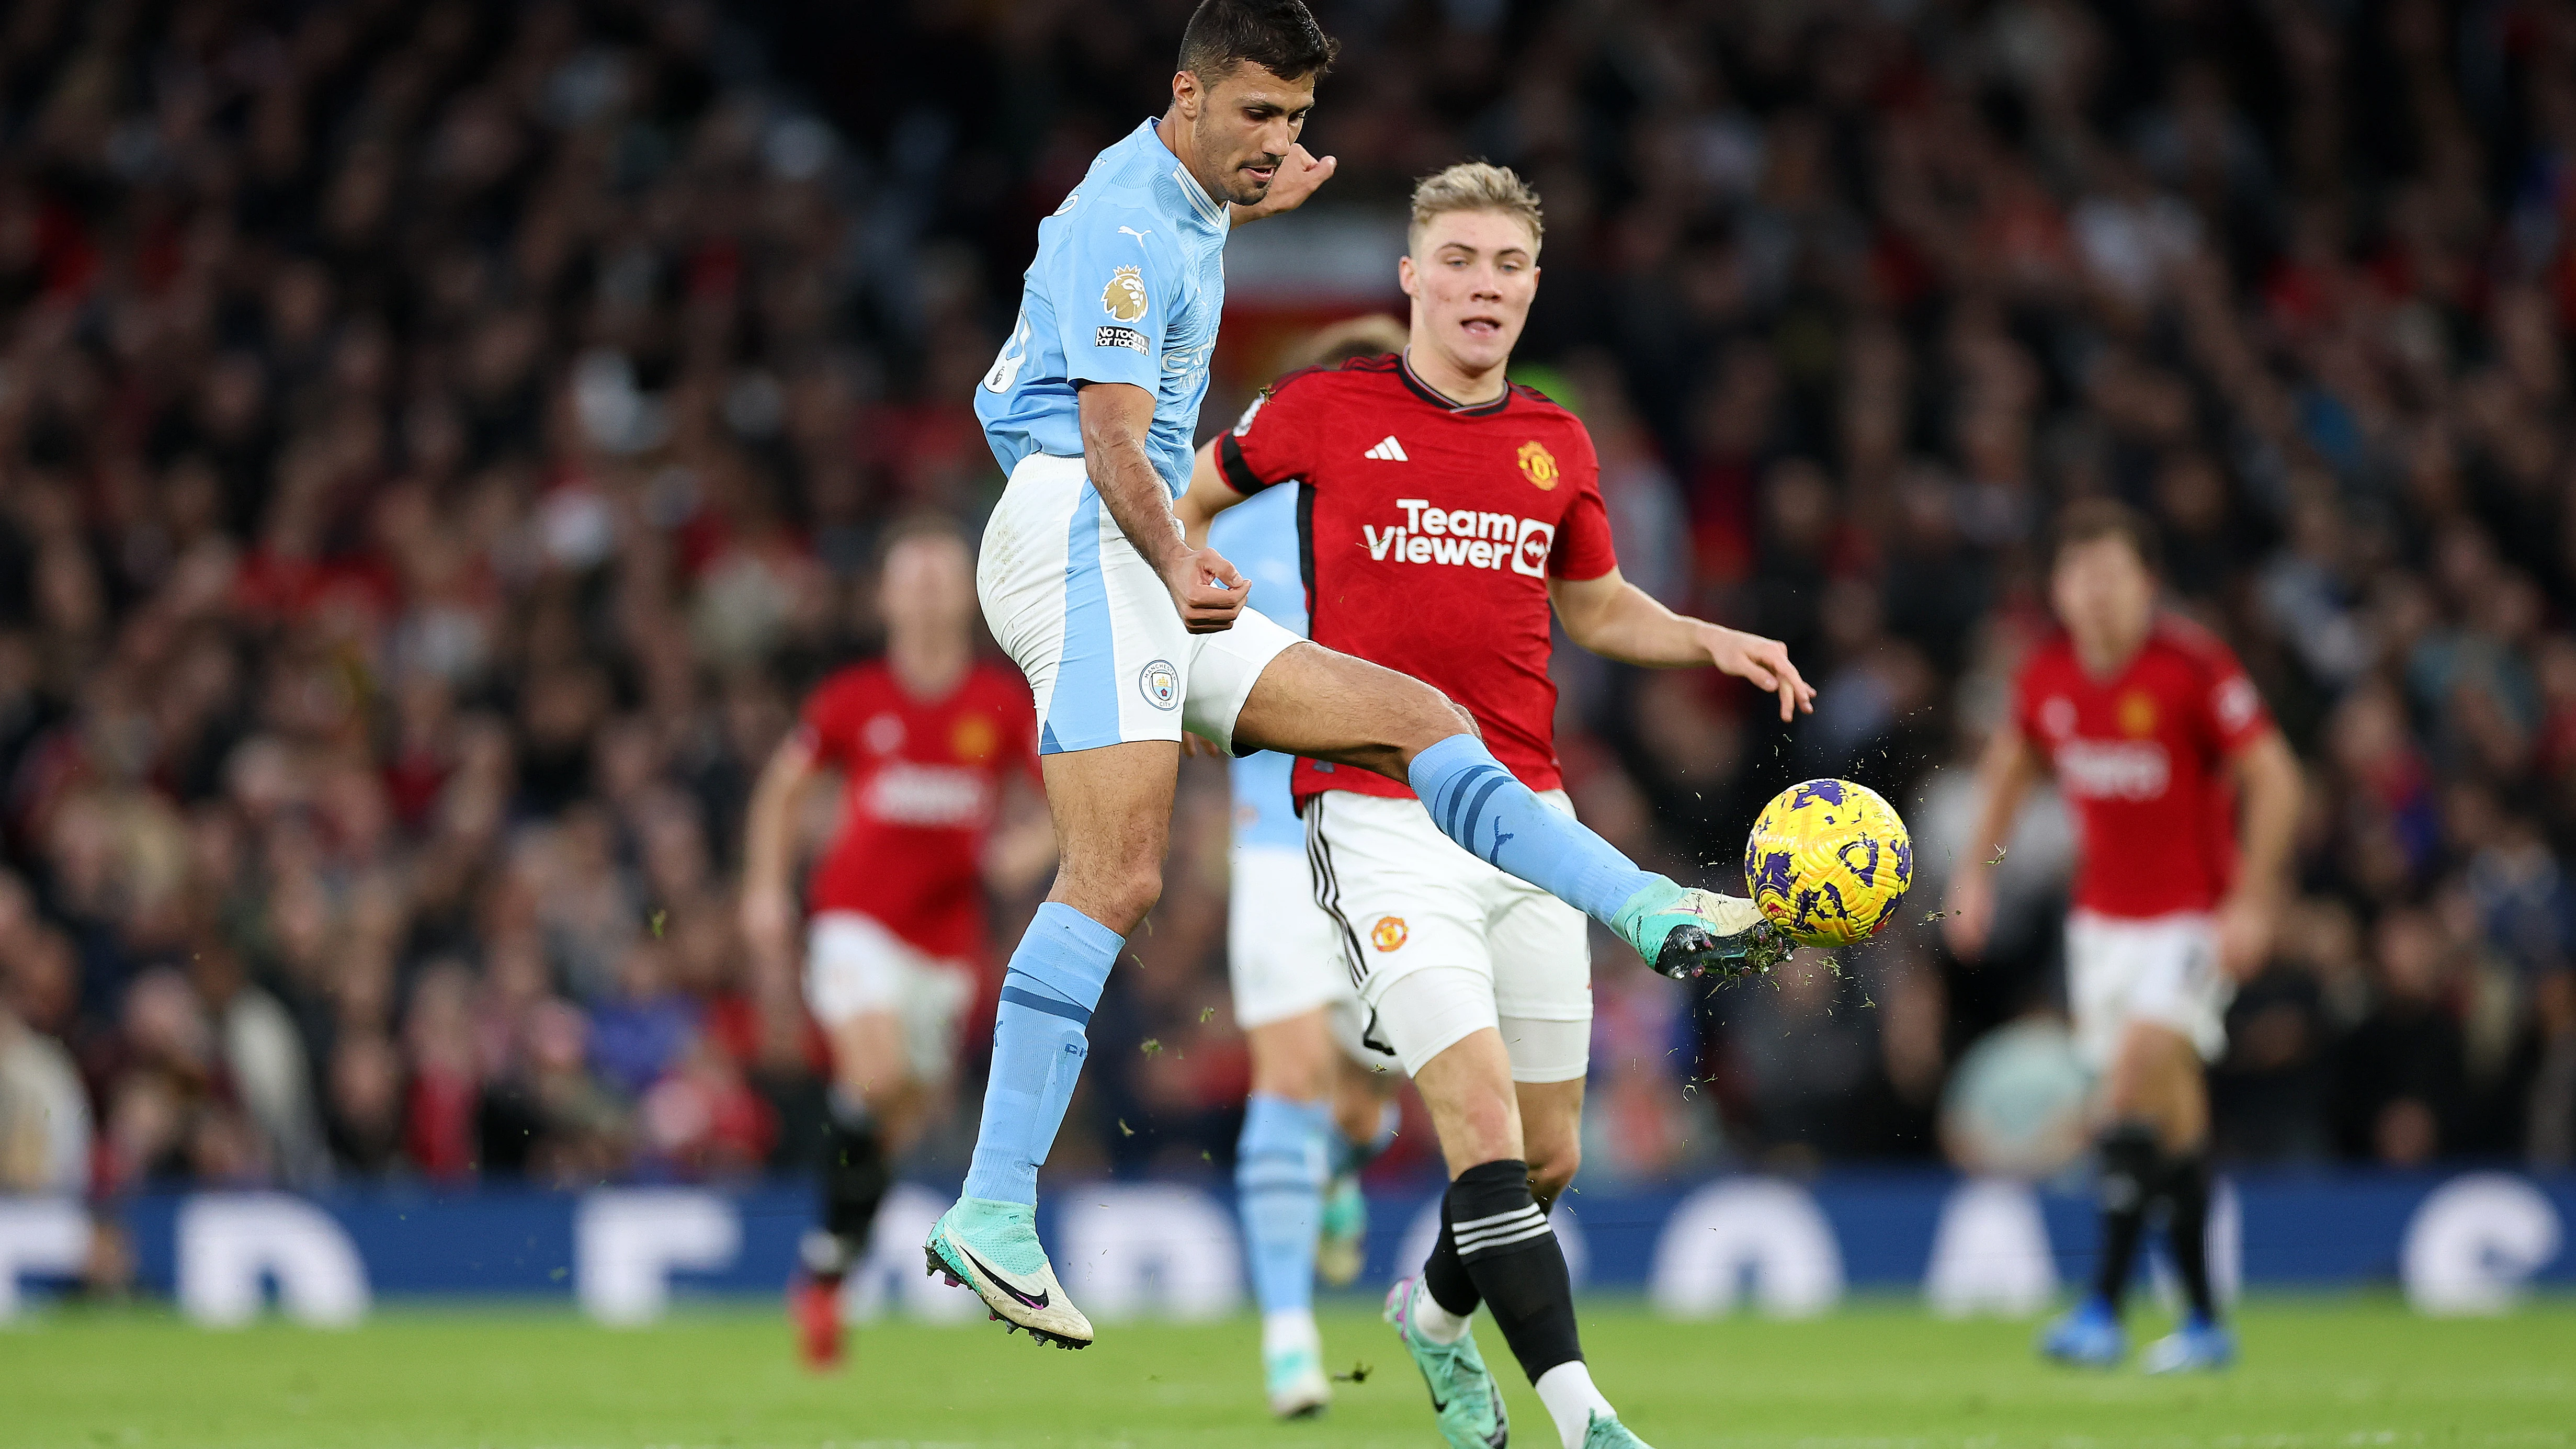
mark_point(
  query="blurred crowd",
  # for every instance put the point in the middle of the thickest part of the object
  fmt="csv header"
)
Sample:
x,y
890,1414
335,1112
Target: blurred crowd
x,y
440,440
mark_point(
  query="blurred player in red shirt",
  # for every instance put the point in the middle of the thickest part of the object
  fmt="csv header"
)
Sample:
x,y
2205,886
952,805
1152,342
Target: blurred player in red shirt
x,y
2157,740
1446,520
926,741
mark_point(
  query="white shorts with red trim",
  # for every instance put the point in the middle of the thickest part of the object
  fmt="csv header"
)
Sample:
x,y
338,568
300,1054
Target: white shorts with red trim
x,y
854,966
2160,969
1490,950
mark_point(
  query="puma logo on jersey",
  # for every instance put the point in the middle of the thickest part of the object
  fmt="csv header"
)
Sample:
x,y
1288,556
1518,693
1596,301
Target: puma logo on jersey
x,y
1389,451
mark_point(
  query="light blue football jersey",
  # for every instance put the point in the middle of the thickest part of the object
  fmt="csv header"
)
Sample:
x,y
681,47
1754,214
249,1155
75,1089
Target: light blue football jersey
x,y
1259,537
1127,287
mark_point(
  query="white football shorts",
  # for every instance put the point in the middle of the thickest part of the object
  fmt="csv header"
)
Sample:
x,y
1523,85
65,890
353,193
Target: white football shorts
x,y
2161,969
854,965
1442,944
1283,954
1091,625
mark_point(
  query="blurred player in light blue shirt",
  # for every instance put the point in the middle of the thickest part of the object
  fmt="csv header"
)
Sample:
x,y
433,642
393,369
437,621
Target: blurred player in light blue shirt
x,y
1319,1103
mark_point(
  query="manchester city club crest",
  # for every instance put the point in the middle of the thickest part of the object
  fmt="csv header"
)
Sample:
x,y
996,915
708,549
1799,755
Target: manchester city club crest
x,y
1161,684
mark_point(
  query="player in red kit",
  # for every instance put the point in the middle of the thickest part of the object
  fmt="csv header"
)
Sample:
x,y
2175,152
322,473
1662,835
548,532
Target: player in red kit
x,y
2159,743
925,740
1445,519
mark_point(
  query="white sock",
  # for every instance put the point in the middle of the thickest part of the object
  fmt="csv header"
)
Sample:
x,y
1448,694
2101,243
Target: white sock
x,y
1288,1329
1572,1401
1436,1323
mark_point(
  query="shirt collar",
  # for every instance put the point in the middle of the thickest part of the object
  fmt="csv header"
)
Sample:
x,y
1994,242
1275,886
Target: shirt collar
x,y
1210,210
1439,399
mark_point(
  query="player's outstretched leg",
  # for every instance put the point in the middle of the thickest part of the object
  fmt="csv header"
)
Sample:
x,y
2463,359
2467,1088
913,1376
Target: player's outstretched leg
x,y
1680,931
989,1240
1279,1189
1325,705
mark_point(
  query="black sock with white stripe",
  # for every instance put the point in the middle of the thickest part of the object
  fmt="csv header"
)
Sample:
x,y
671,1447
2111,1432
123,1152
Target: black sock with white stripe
x,y
1511,1255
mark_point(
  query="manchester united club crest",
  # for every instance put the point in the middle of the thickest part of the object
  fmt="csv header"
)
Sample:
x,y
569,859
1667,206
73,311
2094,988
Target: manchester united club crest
x,y
974,739
1124,298
1388,933
1538,465
2137,713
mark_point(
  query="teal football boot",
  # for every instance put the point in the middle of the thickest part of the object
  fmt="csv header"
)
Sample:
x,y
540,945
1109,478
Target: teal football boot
x,y
1606,1432
1685,932
1341,1237
992,1247
1463,1393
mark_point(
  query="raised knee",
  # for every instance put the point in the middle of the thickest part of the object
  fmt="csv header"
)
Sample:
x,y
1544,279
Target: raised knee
x,y
1133,893
1551,1173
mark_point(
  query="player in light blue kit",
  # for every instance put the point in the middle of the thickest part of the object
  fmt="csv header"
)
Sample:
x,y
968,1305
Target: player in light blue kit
x,y
1128,635
1319,1106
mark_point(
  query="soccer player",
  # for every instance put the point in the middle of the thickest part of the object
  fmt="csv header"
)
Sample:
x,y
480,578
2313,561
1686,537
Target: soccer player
x,y
1441,513
926,741
1319,1099
2157,740
1130,634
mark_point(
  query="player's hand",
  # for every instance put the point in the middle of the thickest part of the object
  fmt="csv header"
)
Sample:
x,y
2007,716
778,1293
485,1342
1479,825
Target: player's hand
x,y
1298,177
1968,916
1194,745
769,922
1765,662
2245,922
1206,589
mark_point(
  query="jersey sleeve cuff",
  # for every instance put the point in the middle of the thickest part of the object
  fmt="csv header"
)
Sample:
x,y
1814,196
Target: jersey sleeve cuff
x,y
1238,473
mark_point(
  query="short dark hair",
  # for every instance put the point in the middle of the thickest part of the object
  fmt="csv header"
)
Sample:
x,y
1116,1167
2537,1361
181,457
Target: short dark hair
x,y
1280,36
2088,520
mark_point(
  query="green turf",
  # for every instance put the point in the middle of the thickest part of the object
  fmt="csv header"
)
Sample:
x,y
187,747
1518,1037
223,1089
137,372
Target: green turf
x,y
2333,1373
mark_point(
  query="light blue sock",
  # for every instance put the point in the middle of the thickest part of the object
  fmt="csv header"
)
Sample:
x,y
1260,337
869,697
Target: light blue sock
x,y
1038,1047
1279,1190
1477,803
1350,1156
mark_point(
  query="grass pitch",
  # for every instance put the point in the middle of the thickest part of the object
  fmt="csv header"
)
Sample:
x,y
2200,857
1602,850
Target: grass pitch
x,y
2333,1373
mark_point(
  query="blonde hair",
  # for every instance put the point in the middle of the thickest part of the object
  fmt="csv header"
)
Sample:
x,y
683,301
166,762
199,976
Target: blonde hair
x,y
1474,186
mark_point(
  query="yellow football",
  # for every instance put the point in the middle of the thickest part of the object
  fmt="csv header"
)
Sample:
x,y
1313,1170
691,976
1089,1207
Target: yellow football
x,y
1829,862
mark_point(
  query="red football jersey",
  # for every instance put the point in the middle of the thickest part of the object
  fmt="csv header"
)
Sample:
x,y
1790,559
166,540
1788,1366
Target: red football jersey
x,y
2140,758
921,780
1427,533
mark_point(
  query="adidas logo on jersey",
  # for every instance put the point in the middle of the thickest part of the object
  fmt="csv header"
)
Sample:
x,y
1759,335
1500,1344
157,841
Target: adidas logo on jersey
x,y
1389,451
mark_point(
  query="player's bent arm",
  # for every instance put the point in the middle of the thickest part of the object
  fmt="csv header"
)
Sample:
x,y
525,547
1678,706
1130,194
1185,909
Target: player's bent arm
x,y
2012,764
1617,620
2268,787
1298,176
1117,420
1208,495
2267,780
769,847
